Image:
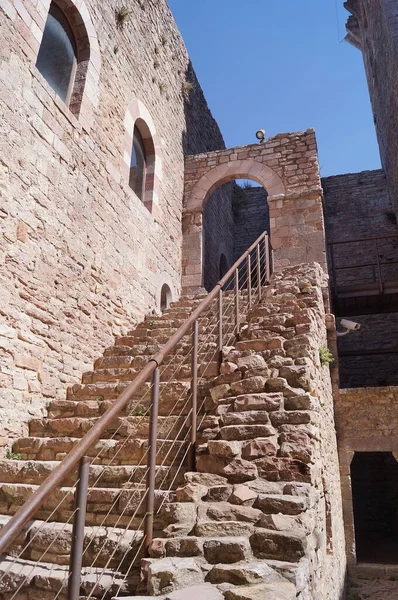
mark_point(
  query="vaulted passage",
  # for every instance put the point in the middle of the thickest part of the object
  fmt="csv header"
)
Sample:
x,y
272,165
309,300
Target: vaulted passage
x,y
374,477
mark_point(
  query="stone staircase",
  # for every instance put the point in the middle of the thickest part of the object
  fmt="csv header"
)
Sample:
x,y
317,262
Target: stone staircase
x,y
250,523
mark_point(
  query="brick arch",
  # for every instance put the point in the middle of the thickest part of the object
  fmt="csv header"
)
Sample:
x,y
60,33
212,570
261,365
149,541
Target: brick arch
x,y
85,95
138,115
238,169
287,167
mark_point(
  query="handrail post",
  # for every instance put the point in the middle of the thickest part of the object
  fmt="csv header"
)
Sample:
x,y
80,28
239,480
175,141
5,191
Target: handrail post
x,y
258,271
194,402
267,262
151,462
249,280
220,324
76,554
237,320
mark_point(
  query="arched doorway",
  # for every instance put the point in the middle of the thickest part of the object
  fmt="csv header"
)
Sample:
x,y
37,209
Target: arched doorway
x,y
287,167
234,216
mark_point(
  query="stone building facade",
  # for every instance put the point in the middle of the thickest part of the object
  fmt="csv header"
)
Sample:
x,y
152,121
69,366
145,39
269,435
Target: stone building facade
x,y
83,258
117,196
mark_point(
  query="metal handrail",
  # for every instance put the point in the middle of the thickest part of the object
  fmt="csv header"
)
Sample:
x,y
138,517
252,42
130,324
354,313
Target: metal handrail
x,y
25,513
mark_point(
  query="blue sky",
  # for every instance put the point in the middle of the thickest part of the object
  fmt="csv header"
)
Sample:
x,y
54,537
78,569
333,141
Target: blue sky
x,y
281,65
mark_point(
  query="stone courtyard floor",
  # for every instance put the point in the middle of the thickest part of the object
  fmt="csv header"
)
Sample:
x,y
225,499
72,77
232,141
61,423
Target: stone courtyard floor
x,y
372,589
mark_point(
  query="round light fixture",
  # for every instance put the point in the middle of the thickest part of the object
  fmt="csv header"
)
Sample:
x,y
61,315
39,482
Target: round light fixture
x,y
260,135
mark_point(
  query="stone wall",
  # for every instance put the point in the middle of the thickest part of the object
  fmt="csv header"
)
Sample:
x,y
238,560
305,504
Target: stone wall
x,y
357,205
218,234
366,421
357,365
251,217
82,258
374,29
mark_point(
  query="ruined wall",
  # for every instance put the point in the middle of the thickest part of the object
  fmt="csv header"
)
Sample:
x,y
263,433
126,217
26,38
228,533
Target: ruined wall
x,y
81,256
218,234
374,29
251,217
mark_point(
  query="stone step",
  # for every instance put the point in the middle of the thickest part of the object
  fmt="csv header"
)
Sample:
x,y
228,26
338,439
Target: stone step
x,y
105,506
171,393
122,427
115,452
215,550
181,370
22,577
287,546
124,477
110,547
60,409
272,504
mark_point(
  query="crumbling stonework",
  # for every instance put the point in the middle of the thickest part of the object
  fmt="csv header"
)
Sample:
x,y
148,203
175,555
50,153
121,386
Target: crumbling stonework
x,y
82,258
267,487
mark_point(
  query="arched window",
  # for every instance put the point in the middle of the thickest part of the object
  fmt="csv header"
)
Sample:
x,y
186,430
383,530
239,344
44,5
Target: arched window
x,y
138,165
165,297
57,58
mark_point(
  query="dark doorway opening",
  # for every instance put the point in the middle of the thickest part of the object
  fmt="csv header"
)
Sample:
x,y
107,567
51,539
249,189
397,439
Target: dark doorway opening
x,y
374,478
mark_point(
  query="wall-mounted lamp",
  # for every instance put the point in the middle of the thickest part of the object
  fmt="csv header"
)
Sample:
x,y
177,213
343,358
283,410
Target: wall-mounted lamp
x,y
260,135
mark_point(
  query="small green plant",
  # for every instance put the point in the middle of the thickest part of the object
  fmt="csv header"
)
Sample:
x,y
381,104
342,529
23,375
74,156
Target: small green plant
x,y
139,411
325,356
157,50
163,87
187,88
100,398
13,455
122,15
156,64
164,40
151,324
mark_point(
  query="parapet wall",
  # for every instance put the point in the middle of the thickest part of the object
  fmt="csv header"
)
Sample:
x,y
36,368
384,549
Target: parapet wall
x,y
82,258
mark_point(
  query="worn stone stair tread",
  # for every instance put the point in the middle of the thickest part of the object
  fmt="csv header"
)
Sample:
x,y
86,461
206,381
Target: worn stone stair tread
x,y
122,427
134,450
47,576
281,503
36,471
104,546
263,591
108,506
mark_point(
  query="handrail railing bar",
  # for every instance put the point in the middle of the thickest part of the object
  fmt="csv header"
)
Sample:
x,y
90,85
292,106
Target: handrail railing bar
x,y
76,554
145,454
162,482
165,458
